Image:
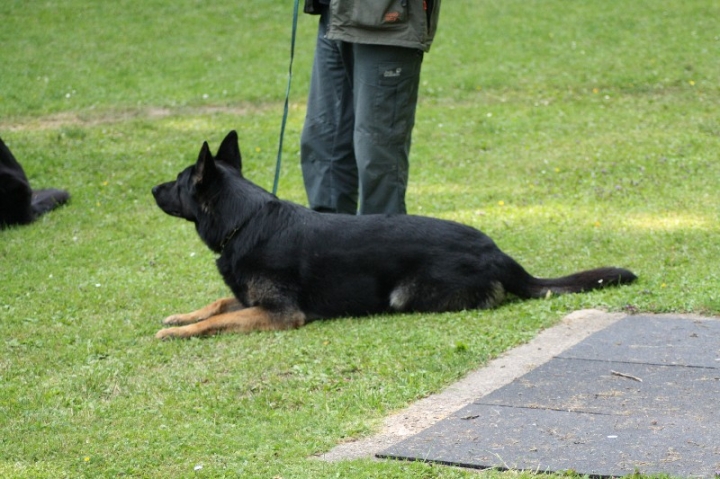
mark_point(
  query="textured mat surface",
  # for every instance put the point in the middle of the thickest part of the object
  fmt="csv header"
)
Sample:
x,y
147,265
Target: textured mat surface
x,y
641,395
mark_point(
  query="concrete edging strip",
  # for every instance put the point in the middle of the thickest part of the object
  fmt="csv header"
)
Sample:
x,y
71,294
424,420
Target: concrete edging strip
x,y
499,372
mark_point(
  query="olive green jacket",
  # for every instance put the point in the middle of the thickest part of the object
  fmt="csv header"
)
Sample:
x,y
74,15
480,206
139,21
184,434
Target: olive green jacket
x,y
403,23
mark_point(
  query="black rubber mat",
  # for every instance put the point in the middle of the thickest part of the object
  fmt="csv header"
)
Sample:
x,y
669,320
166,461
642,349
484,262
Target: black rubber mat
x,y
642,395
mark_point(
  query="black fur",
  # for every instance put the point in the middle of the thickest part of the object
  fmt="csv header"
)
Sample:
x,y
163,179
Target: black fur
x,y
19,204
285,258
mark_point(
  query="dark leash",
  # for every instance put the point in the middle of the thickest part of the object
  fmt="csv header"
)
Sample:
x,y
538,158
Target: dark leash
x,y
278,162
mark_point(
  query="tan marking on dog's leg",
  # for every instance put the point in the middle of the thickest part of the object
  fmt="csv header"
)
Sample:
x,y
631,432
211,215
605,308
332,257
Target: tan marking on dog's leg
x,y
241,321
220,306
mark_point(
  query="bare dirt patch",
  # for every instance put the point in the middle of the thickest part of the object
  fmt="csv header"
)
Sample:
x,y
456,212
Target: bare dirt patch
x,y
89,118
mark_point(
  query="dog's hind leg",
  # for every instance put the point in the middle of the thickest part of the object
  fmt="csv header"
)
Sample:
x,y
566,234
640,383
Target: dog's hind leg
x,y
220,306
241,321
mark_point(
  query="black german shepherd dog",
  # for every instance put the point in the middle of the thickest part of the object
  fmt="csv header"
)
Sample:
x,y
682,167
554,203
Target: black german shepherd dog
x,y
287,265
20,204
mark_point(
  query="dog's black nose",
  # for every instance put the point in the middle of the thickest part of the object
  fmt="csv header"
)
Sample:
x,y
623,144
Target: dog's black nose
x,y
154,190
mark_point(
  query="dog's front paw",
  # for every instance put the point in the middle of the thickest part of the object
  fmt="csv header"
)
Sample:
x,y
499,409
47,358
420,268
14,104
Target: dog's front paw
x,y
173,320
168,333
179,320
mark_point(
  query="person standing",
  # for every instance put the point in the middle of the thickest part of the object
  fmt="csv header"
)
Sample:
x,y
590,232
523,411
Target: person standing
x,y
356,138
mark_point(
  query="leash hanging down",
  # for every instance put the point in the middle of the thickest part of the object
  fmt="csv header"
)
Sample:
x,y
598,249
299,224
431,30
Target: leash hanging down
x,y
278,162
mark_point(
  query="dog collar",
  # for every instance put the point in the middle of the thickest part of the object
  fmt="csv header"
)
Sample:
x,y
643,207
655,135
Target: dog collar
x,y
227,238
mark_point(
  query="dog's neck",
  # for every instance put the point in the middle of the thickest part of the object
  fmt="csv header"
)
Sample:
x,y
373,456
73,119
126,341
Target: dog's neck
x,y
229,237
239,226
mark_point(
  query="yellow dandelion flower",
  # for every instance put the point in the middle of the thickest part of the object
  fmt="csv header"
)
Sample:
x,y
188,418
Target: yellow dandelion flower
x,y
501,203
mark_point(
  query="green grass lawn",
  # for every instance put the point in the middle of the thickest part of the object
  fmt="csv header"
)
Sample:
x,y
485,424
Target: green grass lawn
x,y
576,134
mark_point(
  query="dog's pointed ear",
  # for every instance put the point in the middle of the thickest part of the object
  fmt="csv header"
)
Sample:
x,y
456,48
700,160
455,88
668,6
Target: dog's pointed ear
x,y
205,166
229,151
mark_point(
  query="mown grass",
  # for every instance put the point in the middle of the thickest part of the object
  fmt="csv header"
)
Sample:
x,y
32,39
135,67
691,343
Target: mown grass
x,y
574,134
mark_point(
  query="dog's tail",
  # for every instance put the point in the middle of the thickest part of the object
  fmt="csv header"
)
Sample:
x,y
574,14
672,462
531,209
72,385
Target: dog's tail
x,y
48,199
524,285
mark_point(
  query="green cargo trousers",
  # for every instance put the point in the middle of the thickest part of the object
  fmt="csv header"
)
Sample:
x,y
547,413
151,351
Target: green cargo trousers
x,y
360,115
